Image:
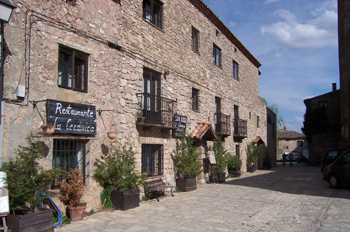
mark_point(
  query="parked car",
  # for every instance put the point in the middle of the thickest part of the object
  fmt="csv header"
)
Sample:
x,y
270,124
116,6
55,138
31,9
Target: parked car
x,y
302,159
330,155
295,155
338,172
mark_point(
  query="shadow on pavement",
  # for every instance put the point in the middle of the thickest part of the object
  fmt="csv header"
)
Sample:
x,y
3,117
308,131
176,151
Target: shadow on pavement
x,y
296,179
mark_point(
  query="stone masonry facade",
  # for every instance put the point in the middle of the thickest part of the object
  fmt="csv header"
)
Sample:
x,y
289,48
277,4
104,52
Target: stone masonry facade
x,y
115,75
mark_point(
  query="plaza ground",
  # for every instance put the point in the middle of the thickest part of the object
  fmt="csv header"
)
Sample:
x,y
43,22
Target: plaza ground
x,y
285,198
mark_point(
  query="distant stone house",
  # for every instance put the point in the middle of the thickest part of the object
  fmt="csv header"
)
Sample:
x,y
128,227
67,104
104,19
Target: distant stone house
x,y
291,141
140,68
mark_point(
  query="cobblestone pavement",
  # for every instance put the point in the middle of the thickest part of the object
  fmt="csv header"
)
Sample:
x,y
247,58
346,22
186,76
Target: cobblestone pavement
x,y
286,198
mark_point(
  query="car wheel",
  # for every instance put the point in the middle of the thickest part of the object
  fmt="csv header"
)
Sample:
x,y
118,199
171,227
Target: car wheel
x,y
333,181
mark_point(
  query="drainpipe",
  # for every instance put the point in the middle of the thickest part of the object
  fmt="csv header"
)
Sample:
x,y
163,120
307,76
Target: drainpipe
x,y
2,107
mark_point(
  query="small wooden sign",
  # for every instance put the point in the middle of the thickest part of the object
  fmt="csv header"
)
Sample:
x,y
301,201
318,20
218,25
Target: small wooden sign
x,y
180,124
212,157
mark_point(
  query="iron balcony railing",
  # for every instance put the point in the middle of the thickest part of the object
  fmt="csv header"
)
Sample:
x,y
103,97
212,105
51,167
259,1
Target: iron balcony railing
x,y
222,124
240,128
155,110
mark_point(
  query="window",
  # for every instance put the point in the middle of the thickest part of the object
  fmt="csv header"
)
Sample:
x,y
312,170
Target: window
x,y
70,2
68,154
153,12
235,69
195,39
257,121
152,159
237,150
322,104
72,69
250,115
300,143
195,102
217,55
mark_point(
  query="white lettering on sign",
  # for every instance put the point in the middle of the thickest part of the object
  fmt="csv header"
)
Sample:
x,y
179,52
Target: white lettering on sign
x,y
70,111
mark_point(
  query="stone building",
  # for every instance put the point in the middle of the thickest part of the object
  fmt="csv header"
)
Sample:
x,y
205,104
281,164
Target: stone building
x,y
291,141
344,68
271,135
323,122
141,68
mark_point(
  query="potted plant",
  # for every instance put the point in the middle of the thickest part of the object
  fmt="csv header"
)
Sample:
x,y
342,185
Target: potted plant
x,y
253,152
71,191
186,164
234,165
26,180
116,171
221,157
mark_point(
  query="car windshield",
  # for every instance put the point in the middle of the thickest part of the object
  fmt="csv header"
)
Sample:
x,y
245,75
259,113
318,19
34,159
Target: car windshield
x,y
332,154
346,157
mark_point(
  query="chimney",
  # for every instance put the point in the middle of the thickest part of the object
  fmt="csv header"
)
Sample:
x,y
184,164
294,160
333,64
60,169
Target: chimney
x,y
334,85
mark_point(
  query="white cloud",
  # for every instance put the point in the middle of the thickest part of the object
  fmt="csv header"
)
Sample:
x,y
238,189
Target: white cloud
x,y
232,24
270,1
320,31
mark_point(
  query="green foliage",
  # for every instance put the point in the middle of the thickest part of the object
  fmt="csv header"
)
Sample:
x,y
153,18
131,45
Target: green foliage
x,y
66,220
253,152
315,122
177,190
26,179
144,198
117,170
229,176
221,156
185,158
106,198
234,162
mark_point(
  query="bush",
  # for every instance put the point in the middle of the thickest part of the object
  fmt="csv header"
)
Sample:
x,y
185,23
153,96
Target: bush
x,y
73,189
117,170
221,156
253,152
26,179
234,162
185,158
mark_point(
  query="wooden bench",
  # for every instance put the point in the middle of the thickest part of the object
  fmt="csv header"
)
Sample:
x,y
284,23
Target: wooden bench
x,y
156,185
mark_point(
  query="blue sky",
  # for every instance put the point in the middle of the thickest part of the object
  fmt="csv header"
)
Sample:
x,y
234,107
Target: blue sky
x,y
296,41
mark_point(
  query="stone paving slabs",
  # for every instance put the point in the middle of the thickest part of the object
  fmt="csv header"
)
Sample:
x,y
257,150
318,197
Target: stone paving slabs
x,y
285,198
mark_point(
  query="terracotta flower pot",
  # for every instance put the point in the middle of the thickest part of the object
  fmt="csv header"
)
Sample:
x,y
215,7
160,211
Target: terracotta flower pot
x,y
76,213
48,129
111,135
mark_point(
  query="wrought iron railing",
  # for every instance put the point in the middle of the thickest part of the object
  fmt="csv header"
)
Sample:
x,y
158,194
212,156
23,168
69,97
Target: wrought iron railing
x,y
222,124
240,128
155,110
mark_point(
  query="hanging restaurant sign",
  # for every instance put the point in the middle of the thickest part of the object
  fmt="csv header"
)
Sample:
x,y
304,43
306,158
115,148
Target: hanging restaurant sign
x,y
180,124
71,118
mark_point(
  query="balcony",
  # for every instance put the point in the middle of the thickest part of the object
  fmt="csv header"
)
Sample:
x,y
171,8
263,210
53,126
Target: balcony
x,y
155,111
222,124
240,128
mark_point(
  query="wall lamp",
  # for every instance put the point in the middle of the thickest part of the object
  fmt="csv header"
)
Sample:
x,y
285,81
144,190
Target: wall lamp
x,y
166,74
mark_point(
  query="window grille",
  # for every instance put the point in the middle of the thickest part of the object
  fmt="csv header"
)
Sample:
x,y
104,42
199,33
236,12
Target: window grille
x,y
67,155
152,159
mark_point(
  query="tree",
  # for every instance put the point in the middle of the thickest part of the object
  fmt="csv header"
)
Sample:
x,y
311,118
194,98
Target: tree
x,y
221,156
315,122
185,158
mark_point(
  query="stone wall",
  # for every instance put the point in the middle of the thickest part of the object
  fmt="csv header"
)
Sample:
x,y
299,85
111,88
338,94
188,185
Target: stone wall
x,y
37,28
